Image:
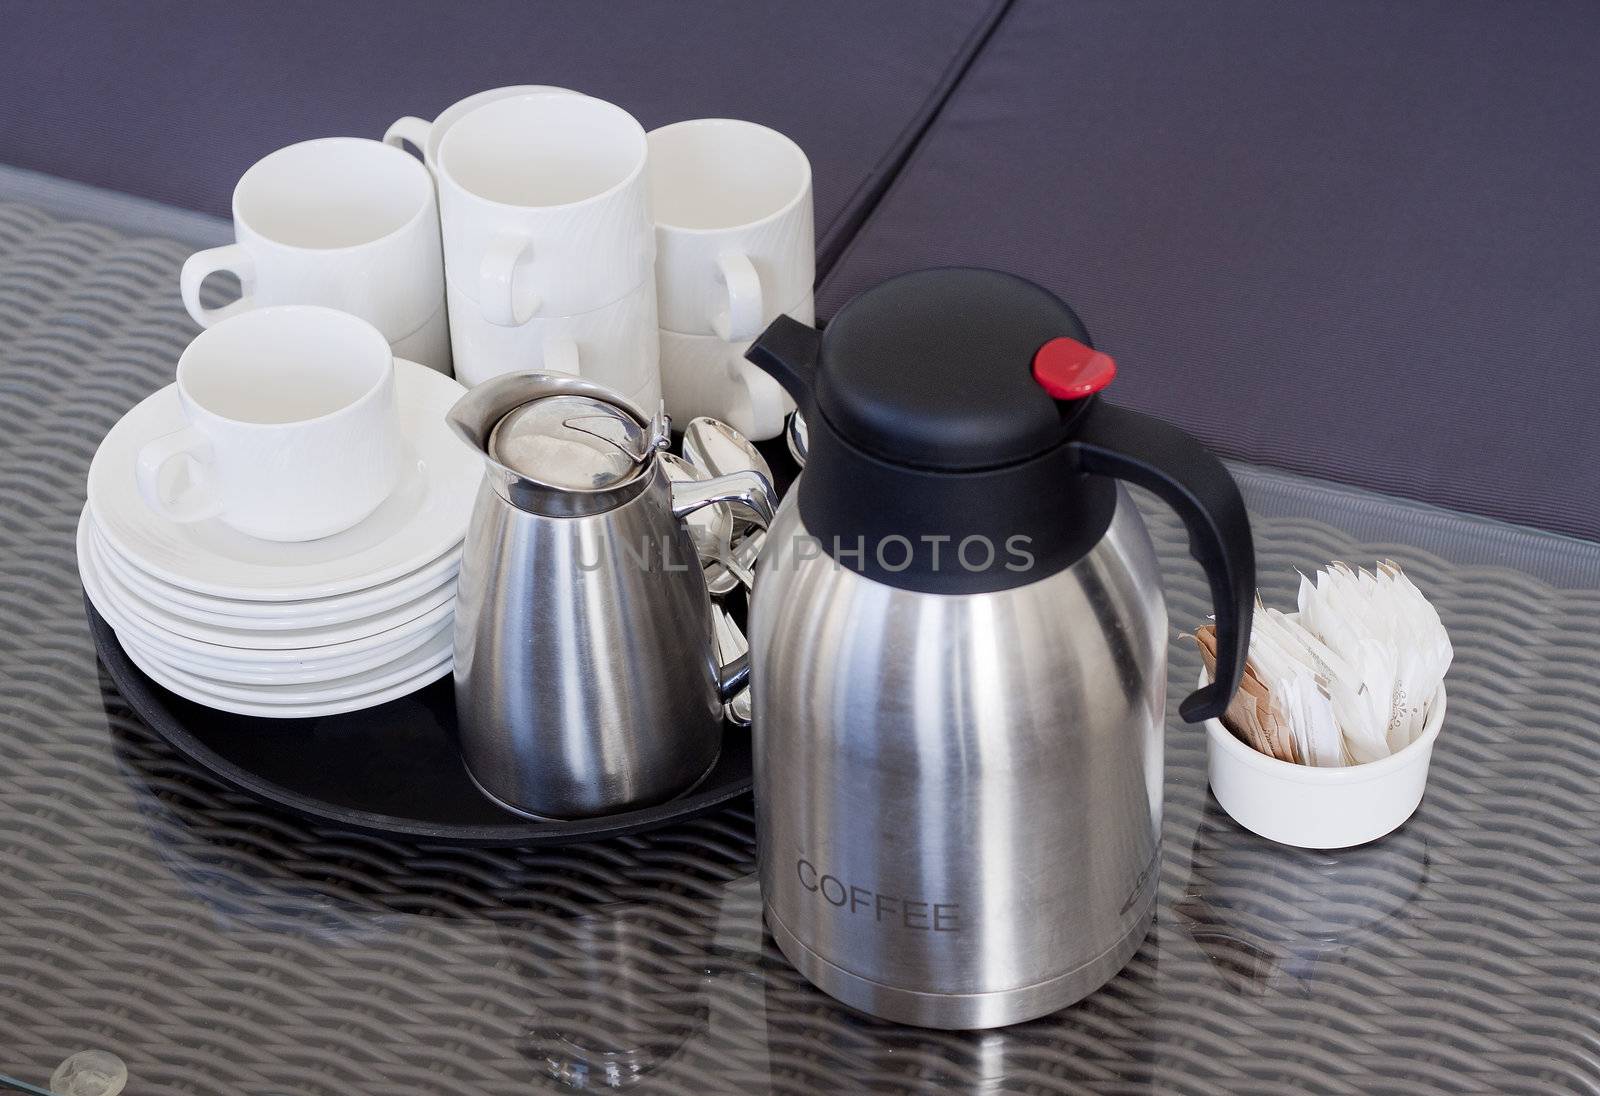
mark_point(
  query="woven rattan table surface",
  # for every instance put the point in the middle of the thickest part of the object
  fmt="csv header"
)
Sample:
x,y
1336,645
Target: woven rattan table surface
x,y
222,949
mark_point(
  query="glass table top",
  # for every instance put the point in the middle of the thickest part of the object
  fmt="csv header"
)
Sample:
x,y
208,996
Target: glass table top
x,y
220,948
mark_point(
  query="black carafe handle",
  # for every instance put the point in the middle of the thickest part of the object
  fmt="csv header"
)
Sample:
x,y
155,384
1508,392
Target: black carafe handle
x,y
1157,455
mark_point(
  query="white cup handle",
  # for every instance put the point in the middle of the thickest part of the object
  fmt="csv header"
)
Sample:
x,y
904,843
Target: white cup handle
x,y
409,131
561,356
197,503
768,407
201,265
738,276
497,282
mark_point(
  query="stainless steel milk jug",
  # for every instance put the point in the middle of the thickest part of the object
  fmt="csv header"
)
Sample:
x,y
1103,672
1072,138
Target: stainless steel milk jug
x,y
959,653
584,669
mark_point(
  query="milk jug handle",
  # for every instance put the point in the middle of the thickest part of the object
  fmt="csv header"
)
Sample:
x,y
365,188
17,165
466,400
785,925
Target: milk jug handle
x,y
1157,455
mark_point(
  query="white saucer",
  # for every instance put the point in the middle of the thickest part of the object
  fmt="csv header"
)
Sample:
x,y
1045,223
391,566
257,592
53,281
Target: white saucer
x,y
343,639
266,635
310,613
288,711
287,673
424,518
126,620
398,672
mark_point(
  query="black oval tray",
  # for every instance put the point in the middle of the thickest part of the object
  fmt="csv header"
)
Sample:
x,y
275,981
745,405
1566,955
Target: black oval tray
x,y
392,770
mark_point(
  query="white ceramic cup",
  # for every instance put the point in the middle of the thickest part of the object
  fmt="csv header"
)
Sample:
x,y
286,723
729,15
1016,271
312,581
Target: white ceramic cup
x,y
616,346
425,136
544,206
708,375
1312,807
343,222
735,242
428,345
293,432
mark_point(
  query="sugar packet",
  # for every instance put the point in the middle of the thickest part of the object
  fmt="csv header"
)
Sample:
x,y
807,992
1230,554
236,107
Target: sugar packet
x,y
1348,678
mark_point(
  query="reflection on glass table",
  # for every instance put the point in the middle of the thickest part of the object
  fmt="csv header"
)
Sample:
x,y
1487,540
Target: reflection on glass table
x,y
86,1073
272,956
11,1084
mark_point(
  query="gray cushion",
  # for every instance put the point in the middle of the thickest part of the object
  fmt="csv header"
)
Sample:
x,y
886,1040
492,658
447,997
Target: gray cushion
x,y
1358,240
174,99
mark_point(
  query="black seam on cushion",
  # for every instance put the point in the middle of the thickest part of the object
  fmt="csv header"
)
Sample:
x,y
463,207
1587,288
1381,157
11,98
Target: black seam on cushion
x,y
864,201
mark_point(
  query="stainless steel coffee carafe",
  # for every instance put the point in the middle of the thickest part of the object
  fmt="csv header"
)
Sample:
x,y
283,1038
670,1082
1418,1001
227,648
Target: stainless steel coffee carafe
x,y
958,641
585,676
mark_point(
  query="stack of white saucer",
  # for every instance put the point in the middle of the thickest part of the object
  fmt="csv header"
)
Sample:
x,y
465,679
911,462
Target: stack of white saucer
x,y
285,629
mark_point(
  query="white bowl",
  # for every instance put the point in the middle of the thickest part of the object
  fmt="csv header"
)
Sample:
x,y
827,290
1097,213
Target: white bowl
x,y
1319,808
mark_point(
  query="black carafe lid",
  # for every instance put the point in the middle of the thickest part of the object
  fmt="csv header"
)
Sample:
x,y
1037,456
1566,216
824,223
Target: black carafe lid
x,y
935,370
936,457
957,445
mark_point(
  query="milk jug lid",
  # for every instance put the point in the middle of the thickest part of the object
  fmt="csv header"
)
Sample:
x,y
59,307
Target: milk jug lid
x,y
570,441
